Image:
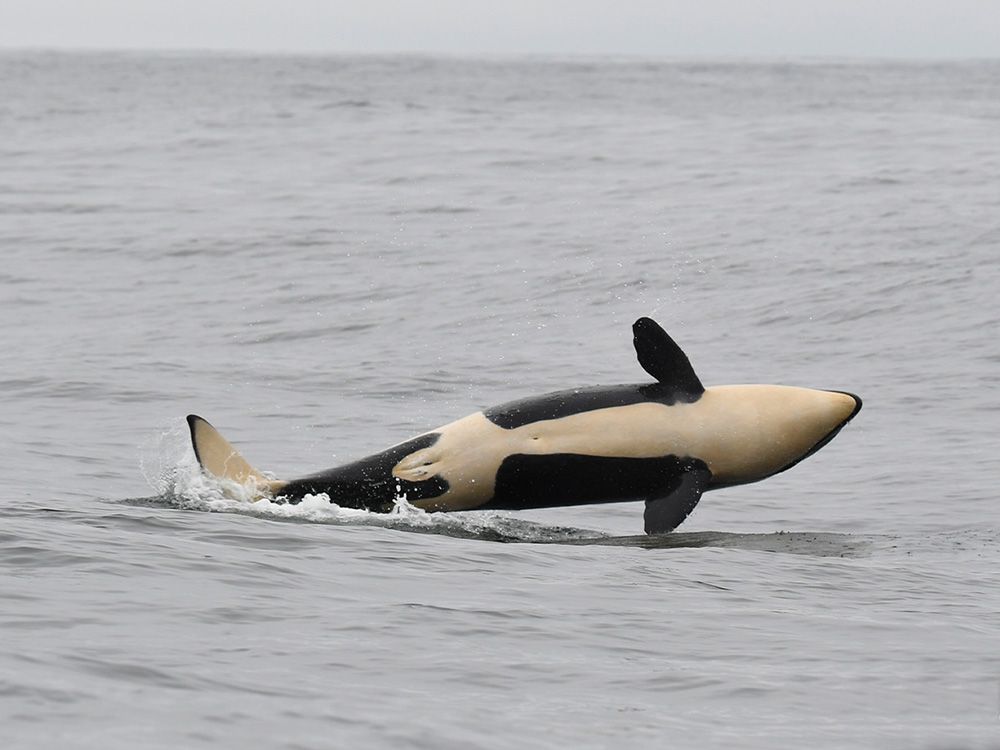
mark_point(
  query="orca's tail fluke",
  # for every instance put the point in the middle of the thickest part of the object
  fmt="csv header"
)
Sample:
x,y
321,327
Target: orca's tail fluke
x,y
221,460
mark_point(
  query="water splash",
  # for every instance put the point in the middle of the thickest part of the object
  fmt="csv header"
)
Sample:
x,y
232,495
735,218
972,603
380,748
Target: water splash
x,y
166,457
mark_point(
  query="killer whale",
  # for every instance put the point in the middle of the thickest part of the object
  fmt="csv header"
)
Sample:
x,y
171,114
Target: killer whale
x,y
665,442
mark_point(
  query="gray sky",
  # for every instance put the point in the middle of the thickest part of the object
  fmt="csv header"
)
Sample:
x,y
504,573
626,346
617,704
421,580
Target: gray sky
x,y
671,28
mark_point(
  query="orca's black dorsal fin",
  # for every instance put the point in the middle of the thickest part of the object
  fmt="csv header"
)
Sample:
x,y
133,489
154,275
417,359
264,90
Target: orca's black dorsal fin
x,y
660,356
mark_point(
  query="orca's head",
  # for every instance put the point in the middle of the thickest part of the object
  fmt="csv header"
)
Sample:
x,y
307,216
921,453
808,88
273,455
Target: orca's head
x,y
770,428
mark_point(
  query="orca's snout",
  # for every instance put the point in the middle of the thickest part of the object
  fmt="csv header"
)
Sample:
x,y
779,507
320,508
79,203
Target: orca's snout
x,y
857,404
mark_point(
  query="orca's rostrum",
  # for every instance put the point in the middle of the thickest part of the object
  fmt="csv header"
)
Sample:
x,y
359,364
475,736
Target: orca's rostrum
x,y
664,442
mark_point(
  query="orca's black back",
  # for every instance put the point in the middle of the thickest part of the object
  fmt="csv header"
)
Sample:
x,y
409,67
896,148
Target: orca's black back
x,y
514,414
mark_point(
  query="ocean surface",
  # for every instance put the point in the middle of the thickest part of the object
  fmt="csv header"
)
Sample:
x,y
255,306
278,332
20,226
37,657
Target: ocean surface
x,y
326,255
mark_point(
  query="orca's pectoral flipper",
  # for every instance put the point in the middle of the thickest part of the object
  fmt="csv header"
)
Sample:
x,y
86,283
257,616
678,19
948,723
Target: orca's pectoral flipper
x,y
660,356
666,512
220,459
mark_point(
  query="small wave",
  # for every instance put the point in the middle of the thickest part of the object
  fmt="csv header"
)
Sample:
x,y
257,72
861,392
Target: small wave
x,y
57,208
347,104
811,543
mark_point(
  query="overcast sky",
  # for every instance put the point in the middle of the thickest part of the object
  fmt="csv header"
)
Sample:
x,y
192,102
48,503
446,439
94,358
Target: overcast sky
x,y
669,28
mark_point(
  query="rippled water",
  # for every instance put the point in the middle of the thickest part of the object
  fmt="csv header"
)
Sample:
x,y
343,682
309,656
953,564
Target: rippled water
x,y
325,256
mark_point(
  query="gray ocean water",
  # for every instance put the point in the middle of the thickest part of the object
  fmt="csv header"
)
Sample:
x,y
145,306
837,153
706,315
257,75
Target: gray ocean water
x,y
327,255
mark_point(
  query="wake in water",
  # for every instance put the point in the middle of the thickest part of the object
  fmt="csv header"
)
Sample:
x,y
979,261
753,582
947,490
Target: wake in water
x,y
170,467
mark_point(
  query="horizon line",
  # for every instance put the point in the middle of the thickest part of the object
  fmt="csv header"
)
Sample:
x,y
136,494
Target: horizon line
x,y
751,58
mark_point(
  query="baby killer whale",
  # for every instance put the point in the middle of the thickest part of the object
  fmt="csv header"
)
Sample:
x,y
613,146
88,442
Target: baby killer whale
x,y
664,442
